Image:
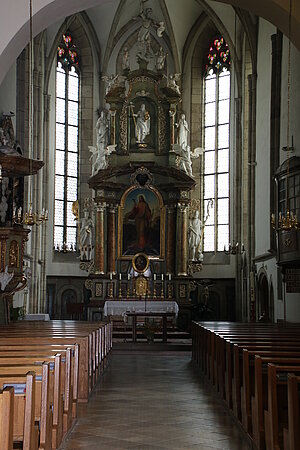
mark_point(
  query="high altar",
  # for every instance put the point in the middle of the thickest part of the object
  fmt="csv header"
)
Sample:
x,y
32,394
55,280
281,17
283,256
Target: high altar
x,y
137,247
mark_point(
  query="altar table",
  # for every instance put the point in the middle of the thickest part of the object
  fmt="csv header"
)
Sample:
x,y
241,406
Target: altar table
x,y
121,307
164,316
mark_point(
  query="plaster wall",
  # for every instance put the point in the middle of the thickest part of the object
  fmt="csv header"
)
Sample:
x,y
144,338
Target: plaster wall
x,y
8,93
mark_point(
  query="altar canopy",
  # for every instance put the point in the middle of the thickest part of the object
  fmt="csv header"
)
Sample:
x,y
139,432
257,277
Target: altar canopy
x,y
120,308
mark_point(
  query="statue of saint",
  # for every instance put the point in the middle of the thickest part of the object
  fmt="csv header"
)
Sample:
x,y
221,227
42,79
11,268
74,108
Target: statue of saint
x,y
102,131
144,36
86,237
183,130
195,237
142,124
125,59
160,59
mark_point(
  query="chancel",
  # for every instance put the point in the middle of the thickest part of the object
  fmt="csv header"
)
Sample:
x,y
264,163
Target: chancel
x,y
149,224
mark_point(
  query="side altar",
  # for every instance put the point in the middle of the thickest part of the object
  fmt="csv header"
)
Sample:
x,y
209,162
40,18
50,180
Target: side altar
x,y
135,233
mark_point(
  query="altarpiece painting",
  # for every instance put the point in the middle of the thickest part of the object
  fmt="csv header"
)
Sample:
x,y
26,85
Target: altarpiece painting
x,y
141,223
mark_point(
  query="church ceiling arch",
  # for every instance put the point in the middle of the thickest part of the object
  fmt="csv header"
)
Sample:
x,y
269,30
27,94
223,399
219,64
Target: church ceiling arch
x,y
14,38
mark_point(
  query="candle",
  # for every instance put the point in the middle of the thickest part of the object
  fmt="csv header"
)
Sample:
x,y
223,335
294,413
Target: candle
x,y
169,277
162,277
154,277
110,275
120,276
128,276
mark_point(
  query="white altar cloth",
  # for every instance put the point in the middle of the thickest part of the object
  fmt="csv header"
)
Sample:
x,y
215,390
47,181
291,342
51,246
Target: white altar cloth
x,y
119,308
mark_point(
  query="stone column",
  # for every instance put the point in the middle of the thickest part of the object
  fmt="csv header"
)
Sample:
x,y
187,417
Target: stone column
x,y
111,239
181,235
99,241
171,239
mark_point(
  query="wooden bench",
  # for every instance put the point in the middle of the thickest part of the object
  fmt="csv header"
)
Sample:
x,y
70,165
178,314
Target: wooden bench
x,y
291,435
6,418
25,431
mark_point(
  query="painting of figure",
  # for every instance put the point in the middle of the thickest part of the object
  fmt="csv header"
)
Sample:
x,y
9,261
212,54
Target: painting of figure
x,y
141,223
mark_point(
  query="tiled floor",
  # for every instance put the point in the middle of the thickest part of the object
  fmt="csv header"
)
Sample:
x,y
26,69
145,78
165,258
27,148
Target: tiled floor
x,y
151,402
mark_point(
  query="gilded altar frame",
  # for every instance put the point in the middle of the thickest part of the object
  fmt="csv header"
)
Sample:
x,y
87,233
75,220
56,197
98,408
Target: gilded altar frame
x,y
121,211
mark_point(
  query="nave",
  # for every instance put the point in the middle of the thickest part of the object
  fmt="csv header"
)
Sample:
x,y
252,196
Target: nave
x,y
153,401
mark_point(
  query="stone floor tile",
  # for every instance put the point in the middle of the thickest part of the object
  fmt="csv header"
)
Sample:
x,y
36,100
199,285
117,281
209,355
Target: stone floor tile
x,y
150,401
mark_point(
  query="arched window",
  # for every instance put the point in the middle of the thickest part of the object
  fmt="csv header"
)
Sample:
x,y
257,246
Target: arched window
x,y
216,145
66,153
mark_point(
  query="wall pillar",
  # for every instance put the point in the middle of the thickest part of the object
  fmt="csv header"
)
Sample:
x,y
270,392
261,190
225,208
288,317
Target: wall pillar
x,y
111,239
182,247
171,227
99,241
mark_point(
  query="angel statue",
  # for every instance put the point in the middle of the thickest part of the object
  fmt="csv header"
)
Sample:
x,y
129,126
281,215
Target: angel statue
x,y
172,80
111,81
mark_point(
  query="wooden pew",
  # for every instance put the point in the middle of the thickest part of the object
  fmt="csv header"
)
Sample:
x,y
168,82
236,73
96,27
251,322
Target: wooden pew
x,y
259,401
94,349
6,418
43,404
291,435
24,428
276,417
62,387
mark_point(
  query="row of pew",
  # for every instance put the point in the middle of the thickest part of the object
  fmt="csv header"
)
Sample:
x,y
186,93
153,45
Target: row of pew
x,y
255,369
46,369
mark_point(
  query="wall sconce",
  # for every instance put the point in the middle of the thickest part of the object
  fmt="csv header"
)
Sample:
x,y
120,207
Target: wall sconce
x,y
234,249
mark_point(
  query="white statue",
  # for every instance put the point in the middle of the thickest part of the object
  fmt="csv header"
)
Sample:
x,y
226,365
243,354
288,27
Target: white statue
x,y
183,130
160,59
111,81
86,237
144,35
195,238
5,278
172,80
142,124
102,131
125,59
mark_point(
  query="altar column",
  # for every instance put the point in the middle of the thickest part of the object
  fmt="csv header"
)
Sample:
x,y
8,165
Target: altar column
x,y
111,239
99,241
181,236
171,239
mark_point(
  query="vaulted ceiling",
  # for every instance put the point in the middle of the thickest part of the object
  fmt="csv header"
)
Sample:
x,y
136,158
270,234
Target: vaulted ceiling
x,y
114,14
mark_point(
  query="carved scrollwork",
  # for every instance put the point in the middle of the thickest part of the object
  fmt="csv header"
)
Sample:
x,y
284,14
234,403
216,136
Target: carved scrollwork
x,y
194,267
161,128
123,128
88,266
142,177
88,284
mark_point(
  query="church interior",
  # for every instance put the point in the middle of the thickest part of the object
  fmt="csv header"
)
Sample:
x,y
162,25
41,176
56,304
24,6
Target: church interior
x,y
150,198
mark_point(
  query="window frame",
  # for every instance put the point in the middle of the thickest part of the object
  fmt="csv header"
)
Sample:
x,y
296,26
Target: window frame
x,y
69,65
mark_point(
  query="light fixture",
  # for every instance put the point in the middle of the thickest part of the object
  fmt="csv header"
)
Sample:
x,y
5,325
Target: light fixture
x,y
234,249
289,220
29,217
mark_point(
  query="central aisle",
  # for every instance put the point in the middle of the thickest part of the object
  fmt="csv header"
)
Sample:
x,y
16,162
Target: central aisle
x,y
153,401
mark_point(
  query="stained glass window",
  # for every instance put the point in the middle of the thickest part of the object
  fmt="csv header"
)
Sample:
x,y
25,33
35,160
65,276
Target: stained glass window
x,y
216,144
67,125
